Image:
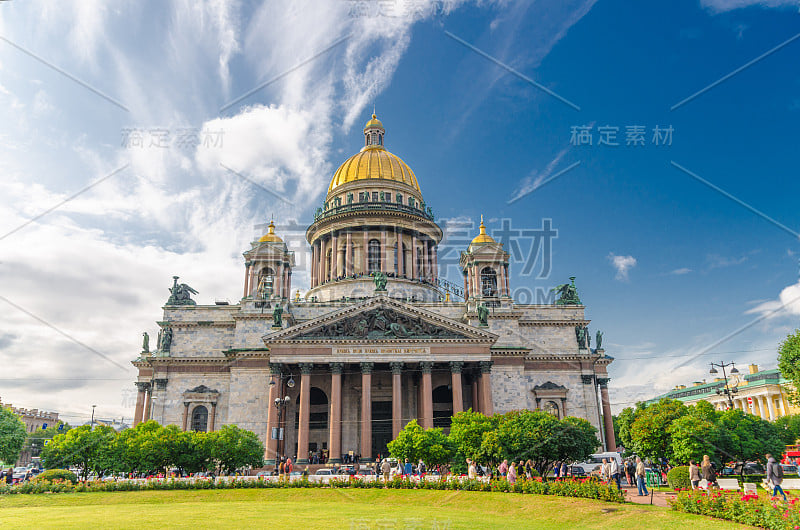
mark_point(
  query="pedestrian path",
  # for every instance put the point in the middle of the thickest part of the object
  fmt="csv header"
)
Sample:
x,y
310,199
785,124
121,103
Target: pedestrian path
x,y
658,498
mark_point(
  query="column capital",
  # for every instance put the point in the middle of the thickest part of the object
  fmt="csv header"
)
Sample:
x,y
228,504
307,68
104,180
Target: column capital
x,y
161,383
603,381
305,368
397,367
142,387
456,366
426,366
366,368
336,368
486,367
186,404
274,368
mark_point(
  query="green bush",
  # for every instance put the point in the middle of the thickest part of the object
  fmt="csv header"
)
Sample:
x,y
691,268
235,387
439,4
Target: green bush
x,y
57,474
678,478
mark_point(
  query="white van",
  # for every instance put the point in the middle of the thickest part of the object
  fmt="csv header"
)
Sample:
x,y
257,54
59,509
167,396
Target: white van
x,y
595,460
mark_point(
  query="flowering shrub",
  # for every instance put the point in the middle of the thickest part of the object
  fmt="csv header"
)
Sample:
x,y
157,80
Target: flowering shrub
x,y
751,510
585,488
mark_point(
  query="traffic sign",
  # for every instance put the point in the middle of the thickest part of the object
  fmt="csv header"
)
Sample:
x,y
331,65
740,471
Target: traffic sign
x,y
44,426
749,401
46,442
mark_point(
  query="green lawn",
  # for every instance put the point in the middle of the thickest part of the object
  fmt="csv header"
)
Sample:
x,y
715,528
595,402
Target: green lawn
x,y
315,508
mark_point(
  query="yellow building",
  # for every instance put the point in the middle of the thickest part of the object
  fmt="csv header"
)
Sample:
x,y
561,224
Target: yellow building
x,y
761,392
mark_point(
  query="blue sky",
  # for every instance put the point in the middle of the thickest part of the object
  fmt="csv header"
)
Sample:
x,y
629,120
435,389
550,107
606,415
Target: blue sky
x,y
667,266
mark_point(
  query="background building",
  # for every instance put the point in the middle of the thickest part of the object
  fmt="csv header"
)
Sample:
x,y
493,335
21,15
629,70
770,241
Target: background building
x,y
379,339
758,392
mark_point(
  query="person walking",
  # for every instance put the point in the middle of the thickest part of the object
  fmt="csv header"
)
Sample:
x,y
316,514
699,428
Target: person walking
x,y
472,471
629,472
640,476
694,474
605,470
529,469
408,469
775,476
386,469
503,469
708,472
512,474
613,471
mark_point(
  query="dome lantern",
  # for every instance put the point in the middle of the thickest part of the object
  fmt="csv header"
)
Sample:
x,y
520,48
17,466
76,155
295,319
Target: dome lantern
x,y
373,133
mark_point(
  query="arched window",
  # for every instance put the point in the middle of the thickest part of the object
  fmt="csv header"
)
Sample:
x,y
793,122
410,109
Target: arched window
x,y
488,282
551,407
266,281
374,256
200,419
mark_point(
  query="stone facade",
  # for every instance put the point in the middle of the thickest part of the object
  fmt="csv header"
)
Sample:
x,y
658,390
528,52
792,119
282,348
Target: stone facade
x,y
376,341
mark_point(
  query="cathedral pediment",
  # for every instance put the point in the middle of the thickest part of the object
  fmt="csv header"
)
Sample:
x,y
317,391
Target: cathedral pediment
x,y
381,319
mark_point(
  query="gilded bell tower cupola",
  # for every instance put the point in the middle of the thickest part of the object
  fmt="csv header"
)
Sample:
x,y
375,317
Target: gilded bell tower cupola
x,y
373,133
268,268
485,268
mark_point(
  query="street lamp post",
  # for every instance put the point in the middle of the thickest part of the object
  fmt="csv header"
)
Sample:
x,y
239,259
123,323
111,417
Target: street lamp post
x,y
728,391
91,425
280,406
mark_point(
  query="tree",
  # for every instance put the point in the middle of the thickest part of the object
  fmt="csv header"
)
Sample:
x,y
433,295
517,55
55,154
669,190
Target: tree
x,y
82,447
789,427
12,435
35,441
624,421
693,437
650,431
466,436
789,363
233,448
404,446
544,439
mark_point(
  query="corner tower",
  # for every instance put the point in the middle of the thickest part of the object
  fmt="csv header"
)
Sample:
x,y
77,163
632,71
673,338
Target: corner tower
x,y
374,219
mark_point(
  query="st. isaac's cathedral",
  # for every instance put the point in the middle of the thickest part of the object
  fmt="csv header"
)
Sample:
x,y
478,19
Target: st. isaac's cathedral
x,y
377,340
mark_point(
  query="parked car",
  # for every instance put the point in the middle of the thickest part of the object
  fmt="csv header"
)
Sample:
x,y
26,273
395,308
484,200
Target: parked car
x,y
592,466
325,472
261,474
576,471
19,473
789,469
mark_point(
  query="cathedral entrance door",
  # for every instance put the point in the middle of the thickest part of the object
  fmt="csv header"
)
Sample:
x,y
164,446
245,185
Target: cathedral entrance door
x,y
381,427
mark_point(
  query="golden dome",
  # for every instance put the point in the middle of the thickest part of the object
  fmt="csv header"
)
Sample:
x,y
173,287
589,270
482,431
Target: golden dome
x,y
483,237
374,162
270,236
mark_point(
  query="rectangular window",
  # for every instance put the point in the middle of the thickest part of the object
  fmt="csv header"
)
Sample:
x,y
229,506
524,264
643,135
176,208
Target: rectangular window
x,y
374,196
399,198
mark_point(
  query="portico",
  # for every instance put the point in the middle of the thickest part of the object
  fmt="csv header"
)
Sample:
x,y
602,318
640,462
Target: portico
x,y
378,363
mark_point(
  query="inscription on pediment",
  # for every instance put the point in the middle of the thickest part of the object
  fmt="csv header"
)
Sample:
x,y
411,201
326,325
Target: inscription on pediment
x,y
380,323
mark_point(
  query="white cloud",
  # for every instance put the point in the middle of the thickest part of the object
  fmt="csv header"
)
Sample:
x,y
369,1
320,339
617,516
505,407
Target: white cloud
x,y
788,303
622,264
721,6
681,271
535,179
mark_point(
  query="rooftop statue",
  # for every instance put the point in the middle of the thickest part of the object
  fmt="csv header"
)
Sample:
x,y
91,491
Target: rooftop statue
x,y
145,343
483,315
180,294
380,280
580,333
599,339
567,293
277,317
